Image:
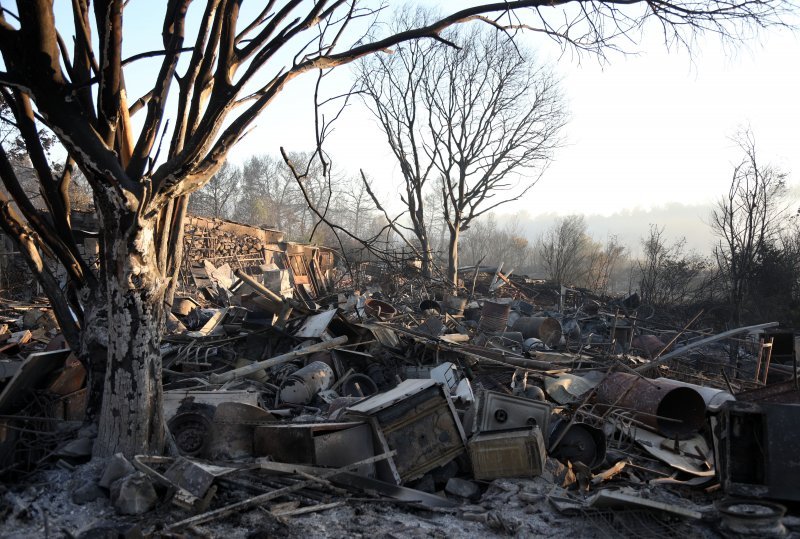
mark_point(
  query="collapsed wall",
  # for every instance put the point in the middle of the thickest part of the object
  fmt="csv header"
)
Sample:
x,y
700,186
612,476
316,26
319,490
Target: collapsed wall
x,y
208,243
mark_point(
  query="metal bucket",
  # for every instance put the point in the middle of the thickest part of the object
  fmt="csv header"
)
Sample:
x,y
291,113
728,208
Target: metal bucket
x,y
430,305
669,408
494,317
544,328
301,386
379,309
454,304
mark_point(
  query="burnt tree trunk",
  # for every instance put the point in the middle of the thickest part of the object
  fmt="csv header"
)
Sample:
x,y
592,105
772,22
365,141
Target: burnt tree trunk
x,y
452,254
131,418
93,349
427,256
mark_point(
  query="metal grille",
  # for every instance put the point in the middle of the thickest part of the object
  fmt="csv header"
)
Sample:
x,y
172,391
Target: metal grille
x,y
632,523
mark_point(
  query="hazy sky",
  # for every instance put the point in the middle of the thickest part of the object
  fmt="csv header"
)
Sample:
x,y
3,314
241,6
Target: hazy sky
x,y
645,129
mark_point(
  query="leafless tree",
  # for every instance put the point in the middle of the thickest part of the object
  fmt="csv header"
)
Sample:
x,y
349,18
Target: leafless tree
x,y
668,276
270,195
562,249
215,69
480,119
747,220
216,198
601,262
392,86
486,240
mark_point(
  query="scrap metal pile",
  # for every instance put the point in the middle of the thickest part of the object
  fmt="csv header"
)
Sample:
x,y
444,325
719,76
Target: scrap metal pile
x,y
410,395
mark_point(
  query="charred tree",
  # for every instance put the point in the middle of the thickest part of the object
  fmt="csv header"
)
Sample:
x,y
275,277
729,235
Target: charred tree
x,y
207,85
479,118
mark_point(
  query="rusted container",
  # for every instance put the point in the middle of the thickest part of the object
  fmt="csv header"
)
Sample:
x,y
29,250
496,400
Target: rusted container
x,y
544,328
712,396
494,316
666,407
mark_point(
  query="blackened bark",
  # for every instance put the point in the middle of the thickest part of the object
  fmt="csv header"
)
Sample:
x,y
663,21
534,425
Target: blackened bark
x,y
131,418
452,255
93,351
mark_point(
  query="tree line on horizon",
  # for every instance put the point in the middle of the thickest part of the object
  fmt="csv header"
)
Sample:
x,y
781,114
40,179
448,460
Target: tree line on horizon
x,y
750,274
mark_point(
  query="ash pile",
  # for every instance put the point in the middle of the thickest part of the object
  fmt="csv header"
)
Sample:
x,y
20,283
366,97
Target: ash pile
x,y
510,406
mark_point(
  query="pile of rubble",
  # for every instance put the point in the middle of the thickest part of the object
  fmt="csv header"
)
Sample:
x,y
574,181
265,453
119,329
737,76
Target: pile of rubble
x,y
486,411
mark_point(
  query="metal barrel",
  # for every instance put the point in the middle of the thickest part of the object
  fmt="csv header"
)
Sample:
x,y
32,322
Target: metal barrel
x,y
544,328
712,396
668,408
494,316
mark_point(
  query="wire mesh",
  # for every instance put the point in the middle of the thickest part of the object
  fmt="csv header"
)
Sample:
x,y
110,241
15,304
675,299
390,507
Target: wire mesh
x,y
632,523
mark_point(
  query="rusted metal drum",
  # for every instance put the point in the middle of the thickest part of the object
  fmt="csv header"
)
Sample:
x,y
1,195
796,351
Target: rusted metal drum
x,y
544,328
494,316
649,343
668,408
712,396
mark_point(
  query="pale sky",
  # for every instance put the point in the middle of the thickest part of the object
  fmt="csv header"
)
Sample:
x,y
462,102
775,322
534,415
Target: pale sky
x,y
646,130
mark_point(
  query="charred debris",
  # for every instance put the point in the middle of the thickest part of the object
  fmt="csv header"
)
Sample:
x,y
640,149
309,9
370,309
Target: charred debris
x,y
290,391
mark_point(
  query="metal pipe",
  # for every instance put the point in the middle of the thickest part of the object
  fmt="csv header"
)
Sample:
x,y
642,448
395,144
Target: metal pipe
x,y
241,372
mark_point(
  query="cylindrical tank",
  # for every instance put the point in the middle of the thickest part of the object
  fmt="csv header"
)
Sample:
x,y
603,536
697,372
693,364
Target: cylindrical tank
x,y
545,328
713,397
670,409
301,386
494,316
